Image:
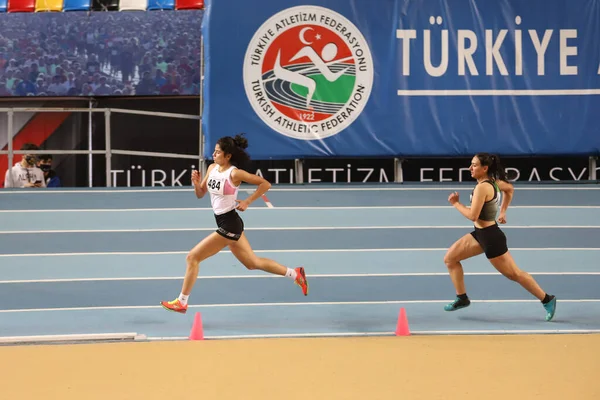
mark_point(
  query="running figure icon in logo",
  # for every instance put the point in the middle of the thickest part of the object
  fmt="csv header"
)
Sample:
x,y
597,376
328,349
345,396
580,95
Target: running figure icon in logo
x,y
308,72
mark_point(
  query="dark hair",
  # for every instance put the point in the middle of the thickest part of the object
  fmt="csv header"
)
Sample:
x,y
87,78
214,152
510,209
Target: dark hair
x,y
29,146
236,147
496,170
29,159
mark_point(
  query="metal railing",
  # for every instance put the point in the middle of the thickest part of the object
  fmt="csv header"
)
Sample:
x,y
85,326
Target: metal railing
x,y
109,151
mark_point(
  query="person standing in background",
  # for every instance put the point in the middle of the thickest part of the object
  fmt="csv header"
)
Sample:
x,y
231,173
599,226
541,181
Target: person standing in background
x,y
25,173
50,177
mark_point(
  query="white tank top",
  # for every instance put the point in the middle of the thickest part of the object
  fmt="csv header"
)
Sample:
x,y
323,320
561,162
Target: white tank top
x,y
222,191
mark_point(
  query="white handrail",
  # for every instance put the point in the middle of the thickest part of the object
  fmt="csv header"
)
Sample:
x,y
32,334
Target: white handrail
x,y
155,113
154,154
109,151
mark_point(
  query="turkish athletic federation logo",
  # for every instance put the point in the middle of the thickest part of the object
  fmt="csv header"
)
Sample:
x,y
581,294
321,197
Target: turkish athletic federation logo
x,y
308,72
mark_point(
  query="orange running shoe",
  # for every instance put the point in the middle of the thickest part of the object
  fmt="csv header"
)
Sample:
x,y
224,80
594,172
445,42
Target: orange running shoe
x,y
301,280
175,306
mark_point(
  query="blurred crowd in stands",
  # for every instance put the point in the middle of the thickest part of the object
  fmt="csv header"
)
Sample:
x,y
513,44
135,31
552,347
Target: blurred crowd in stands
x,y
100,54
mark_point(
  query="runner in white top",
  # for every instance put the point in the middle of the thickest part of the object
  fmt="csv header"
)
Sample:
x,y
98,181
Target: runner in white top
x,y
222,181
223,193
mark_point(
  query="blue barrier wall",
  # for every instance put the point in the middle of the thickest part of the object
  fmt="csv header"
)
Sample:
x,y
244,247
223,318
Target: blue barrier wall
x,y
403,78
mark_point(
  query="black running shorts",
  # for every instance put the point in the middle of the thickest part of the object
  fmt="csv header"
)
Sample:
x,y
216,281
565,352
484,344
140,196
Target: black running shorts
x,y
230,225
492,240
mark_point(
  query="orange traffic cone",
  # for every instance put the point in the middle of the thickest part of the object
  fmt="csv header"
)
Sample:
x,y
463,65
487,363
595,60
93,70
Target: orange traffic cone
x,y
197,332
402,328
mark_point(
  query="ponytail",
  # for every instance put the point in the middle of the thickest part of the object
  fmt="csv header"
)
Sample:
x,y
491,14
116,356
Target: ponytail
x,y
496,170
235,146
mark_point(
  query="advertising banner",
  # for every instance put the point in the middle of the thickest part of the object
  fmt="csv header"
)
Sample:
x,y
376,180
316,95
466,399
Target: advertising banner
x,y
349,78
133,171
522,169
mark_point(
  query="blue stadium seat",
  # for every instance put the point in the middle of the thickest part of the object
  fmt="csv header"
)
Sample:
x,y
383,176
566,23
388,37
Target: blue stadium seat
x,y
161,5
77,5
3,4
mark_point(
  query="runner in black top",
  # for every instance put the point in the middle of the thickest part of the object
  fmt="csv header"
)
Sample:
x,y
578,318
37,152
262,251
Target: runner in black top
x,y
487,237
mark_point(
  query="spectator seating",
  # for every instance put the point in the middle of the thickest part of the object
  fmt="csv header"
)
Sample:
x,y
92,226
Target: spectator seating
x,y
77,5
133,5
105,5
14,6
21,6
161,5
48,5
189,4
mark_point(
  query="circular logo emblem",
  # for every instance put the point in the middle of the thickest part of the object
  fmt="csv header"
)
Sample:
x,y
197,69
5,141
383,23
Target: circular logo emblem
x,y
308,72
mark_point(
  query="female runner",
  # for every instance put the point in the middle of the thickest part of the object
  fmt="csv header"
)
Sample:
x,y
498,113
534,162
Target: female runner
x,y
222,181
487,237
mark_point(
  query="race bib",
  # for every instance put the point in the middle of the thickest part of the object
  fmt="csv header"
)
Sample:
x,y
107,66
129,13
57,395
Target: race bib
x,y
215,185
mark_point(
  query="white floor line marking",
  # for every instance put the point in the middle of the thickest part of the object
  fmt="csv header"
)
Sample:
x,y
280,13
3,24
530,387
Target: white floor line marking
x,y
385,333
395,187
253,208
355,334
331,303
315,276
120,253
119,210
290,228
73,338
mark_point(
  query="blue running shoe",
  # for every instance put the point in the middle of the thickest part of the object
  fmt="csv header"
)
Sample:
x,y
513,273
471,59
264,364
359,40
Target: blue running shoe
x,y
550,308
457,304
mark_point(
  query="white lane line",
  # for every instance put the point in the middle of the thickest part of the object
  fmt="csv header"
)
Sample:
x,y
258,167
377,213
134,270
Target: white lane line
x,y
355,275
324,303
422,249
290,228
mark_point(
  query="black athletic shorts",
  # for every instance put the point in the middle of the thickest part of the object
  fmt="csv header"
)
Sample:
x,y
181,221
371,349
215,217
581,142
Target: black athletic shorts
x,y
492,240
230,225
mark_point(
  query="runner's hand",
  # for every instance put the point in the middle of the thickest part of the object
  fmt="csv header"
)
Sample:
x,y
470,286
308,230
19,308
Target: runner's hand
x,y
242,205
502,218
453,198
196,178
